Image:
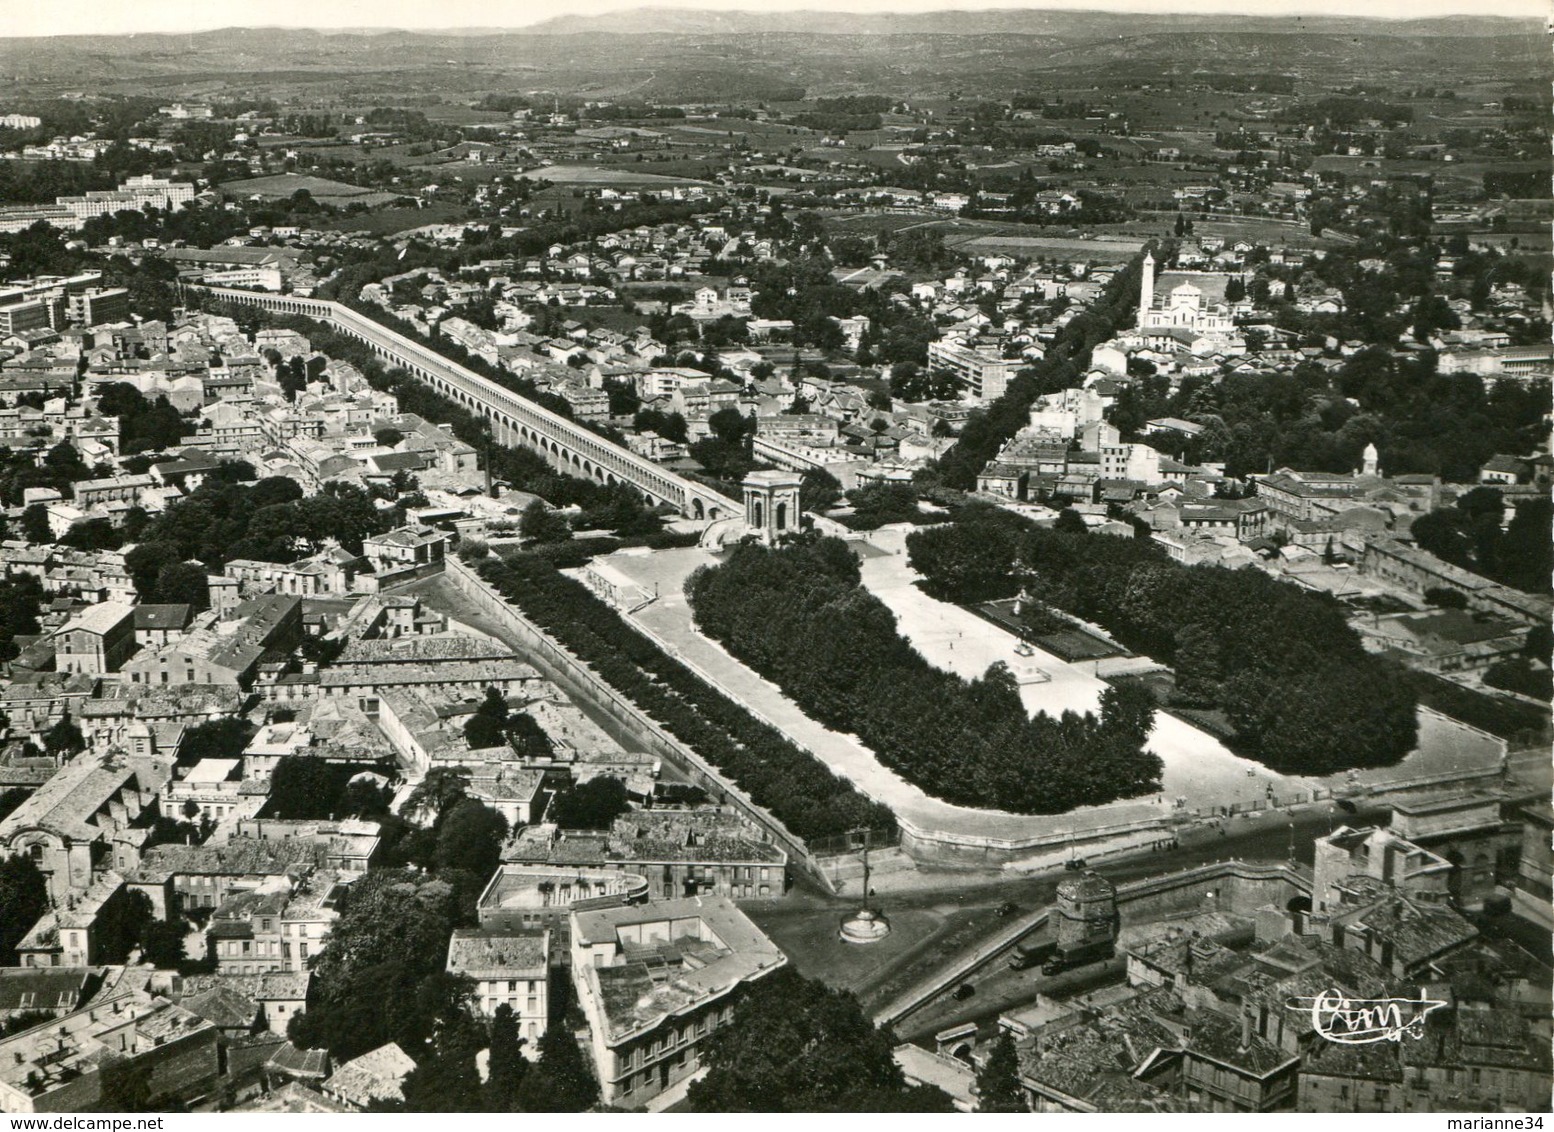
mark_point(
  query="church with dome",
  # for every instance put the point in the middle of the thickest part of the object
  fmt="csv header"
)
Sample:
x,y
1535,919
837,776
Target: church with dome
x,y
1183,319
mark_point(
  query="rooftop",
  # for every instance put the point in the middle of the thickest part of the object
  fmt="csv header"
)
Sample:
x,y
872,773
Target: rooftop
x,y
479,953
41,988
669,956
101,618
68,803
45,1058
374,1076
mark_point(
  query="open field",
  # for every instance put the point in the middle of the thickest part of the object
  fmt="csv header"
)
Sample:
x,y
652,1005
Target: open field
x,y
602,175
1100,247
387,221
282,186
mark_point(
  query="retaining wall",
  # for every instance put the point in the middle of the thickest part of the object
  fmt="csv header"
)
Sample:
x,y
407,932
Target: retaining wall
x,y
581,680
1238,886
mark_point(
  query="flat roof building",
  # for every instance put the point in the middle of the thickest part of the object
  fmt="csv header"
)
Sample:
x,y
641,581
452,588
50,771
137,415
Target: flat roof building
x,y
655,981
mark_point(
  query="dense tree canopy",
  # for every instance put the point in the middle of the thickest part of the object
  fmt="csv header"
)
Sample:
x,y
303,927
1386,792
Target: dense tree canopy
x,y
799,616
1280,661
381,976
24,896
269,520
1469,535
998,1079
470,837
590,805
796,1045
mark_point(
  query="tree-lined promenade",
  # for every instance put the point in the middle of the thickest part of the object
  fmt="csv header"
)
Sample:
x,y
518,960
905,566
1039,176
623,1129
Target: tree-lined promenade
x,y
799,616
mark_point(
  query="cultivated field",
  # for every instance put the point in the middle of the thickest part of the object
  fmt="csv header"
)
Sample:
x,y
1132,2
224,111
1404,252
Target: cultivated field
x,y
282,186
603,175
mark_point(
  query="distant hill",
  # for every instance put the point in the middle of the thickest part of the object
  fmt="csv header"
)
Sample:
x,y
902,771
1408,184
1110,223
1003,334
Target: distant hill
x,y
679,55
1063,24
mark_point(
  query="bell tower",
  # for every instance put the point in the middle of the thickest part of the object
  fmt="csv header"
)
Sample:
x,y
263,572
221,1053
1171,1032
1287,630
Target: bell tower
x,y
1147,289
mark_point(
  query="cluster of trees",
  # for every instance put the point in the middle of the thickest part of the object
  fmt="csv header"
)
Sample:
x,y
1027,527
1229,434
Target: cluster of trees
x,y
460,836
1518,674
911,381
448,1079
1519,184
126,922
793,785
844,114
144,425
799,616
1282,663
494,724
797,1045
21,598
1468,534
594,804
1341,112
24,896
876,504
269,520
1421,421
39,182
60,467
307,789
381,978
727,454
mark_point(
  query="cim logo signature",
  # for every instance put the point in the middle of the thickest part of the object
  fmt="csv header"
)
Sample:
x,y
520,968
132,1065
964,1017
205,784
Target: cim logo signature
x,y
1361,1021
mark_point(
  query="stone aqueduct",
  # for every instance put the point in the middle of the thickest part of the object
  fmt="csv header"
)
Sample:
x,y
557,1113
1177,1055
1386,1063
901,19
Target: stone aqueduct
x,y
514,420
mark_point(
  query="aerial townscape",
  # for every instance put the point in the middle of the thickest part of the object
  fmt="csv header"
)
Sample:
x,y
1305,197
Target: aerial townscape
x,y
778,561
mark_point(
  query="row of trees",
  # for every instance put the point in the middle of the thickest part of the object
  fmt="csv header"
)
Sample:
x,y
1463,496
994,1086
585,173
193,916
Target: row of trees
x,y
787,780
986,431
1282,663
799,616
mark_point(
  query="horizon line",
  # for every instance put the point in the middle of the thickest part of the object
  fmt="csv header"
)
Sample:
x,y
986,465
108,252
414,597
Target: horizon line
x,y
530,15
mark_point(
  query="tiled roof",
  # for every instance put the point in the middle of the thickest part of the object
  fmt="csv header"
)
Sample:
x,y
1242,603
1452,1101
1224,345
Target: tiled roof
x,y
374,1076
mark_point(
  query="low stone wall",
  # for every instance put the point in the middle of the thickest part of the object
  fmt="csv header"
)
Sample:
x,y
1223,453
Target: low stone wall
x,y
581,681
971,852
404,576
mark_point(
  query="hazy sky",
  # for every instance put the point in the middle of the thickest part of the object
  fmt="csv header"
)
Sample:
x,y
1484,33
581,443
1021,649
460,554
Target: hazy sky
x,y
77,17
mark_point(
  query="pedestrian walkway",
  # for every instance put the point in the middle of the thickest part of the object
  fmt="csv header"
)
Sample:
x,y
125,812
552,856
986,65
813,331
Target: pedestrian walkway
x,y
1197,767
669,621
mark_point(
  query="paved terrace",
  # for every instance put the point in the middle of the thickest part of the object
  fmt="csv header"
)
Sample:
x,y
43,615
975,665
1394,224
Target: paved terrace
x,y
1197,766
